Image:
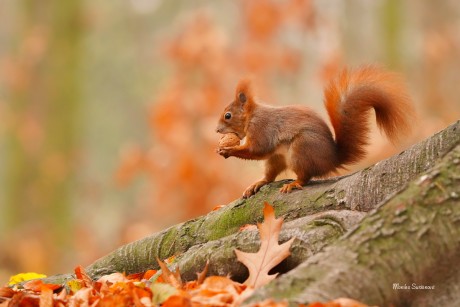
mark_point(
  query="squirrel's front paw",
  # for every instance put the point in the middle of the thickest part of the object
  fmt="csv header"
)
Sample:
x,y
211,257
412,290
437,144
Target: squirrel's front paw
x,y
223,151
254,188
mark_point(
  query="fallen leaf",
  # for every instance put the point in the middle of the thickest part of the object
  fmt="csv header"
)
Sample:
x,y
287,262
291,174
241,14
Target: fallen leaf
x,y
46,297
15,279
81,274
218,284
62,295
270,252
149,274
202,275
81,297
220,299
135,276
6,292
169,277
37,285
161,292
75,285
177,301
113,278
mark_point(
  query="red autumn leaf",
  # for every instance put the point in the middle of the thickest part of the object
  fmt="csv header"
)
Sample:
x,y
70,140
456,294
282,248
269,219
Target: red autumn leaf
x,y
135,276
6,292
177,301
36,285
149,274
81,274
46,297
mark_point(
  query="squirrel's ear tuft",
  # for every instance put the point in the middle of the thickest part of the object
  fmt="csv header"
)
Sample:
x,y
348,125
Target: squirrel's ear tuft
x,y
244,91
242,97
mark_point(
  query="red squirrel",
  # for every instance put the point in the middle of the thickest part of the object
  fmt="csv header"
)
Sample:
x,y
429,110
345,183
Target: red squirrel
x,y
295,137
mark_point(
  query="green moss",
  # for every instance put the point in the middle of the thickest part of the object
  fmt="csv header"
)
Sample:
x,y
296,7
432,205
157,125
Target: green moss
x,y
190,227
232,218
170,243
341,194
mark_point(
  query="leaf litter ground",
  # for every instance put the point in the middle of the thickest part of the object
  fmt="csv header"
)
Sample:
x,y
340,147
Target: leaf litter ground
x,y
164,287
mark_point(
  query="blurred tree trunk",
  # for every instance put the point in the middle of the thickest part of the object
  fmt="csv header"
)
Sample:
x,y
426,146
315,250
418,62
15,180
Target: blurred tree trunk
x,y
392,24
44,100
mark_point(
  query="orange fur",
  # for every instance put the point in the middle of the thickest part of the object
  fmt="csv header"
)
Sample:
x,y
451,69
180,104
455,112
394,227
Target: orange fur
x,y
296,137
350,97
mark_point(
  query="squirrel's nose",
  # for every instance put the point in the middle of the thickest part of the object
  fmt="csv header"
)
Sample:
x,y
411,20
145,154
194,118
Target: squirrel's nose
x,y
218,130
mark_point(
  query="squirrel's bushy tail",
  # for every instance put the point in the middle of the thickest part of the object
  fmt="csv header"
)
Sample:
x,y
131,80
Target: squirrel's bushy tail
x,y
351,96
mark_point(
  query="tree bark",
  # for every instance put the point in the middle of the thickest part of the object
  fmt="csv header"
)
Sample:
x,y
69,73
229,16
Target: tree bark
x,y
411,240
337,238
360,191
47,100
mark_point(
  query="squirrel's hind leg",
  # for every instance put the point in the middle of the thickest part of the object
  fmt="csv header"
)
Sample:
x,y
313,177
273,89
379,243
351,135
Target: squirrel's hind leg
x,y
295,185
311,155
273,166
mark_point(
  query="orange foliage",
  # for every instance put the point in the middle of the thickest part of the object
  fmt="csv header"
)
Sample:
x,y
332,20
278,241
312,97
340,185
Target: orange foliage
x,y
181,163
147,289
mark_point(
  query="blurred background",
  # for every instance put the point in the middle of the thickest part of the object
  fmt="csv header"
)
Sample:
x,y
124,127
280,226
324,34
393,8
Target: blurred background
x,y
108,108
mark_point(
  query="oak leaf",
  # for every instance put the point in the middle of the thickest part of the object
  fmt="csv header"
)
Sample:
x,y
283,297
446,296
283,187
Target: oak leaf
x,y
270,252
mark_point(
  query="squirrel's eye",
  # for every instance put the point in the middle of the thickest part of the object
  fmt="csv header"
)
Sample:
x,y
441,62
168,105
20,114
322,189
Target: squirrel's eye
x,y
228,115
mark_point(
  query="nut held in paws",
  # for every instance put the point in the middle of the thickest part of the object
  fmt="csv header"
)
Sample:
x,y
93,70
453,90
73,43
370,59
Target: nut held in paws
x,y
229,140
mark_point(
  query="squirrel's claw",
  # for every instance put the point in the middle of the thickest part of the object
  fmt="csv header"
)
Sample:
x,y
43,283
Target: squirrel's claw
x,y
288,187
223,151
254,188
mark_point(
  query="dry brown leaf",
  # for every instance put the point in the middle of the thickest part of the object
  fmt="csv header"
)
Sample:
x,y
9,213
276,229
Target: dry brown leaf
x,y
81,274
169,277
177,301
6,292
46,297
113,278
216,291
270,252
202,275
36,285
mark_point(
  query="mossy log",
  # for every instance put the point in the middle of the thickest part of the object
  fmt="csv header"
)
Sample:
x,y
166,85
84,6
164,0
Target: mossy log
x,y
405,253
360,191
318,216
